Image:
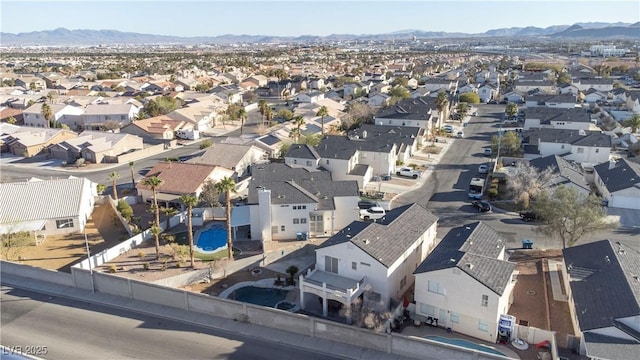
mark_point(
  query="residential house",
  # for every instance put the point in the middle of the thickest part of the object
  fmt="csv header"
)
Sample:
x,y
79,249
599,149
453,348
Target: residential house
x,y
558,118
179,179
409,112
619,183
592,96
271,144
514,97
568,89
488,92
231,93
96,147
30,82
286,201
601,281
309,97
199,117
238,158
28,141
468,88
545,86
357,89
105,116
600,84
564,101
436,85
378,100
302,155
47,207
155,129
564,173
584,147
60,113
371,260
633,101
466,282
254,82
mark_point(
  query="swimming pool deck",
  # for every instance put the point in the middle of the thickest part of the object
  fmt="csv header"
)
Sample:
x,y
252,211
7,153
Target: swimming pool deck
x,y
209,226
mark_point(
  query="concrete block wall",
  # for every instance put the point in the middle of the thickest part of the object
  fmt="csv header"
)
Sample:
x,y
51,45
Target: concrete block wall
x,y
31,272
82,278
278,319
224,308
351,335
157,294
113,285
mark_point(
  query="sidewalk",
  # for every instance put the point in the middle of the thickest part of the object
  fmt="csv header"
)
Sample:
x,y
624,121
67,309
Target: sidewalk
x,y
313,344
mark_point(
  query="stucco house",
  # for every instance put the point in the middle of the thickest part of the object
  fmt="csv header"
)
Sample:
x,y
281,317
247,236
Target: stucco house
x,y
619,183
69,204
238,158
418,112
96,147
60,113
565,101
601,280
373,261
488,92
155,129
565,173
466,282
285,201
97,116
585,147
558,118
27,141
302,155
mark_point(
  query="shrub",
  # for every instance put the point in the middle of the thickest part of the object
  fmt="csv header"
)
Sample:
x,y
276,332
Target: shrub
x,y
205,144
125,209
493,193
146,266
141,254
399,162
113,269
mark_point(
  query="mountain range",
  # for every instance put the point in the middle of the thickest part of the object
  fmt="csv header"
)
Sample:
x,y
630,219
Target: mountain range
x,y
62,36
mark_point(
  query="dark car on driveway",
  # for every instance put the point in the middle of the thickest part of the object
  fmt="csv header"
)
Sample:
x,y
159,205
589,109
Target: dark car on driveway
x,y
481,205
529,216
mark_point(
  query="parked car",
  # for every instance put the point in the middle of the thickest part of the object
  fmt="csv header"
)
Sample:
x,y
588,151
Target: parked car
x,y
448,129
408,172
460,134
529,216
481,205
487,152
366,204
372,213
483,169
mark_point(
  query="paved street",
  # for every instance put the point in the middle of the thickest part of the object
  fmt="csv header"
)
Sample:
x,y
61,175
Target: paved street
x,y
71,329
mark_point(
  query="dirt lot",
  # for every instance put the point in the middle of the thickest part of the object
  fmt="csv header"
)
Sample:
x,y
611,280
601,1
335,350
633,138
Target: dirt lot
x,y
61,252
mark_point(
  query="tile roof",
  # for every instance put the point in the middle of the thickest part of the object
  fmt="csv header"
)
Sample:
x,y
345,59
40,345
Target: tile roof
x,y
107,109
622,174
42,199
599,272
178,178
158,124
291,185
567,136
386,239
224,155
473,248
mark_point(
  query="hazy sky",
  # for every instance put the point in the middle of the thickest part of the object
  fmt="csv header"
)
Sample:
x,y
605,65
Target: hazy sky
x,y
305,17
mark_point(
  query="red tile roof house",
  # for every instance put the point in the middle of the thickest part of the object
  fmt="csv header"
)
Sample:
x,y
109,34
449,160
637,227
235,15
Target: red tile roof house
x,y
180,179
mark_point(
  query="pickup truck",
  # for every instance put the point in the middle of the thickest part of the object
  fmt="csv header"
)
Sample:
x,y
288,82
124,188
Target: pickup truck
x,y
408,172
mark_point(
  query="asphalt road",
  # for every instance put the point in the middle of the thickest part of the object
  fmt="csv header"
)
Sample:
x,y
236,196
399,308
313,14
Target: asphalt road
x,y
72,329
445,192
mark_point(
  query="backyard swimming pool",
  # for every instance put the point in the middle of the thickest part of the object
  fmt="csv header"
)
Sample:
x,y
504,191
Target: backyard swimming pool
x,y
259,296
465,343
212,239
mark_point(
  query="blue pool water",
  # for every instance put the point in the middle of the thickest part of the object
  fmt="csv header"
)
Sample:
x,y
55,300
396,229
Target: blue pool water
x,y
465,343
212,239
259,296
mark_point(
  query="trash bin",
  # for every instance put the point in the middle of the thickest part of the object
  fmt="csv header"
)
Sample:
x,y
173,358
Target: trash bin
x,y
386,177
527,244
305,236
299,236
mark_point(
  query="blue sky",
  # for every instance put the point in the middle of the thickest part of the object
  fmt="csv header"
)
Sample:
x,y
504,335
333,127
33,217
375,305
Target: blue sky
x,y
305,17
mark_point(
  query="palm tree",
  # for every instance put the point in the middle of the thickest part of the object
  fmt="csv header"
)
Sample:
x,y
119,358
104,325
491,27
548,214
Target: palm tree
x,y
242,113
227,186
47,114
154,183
113,177
322,113
168,213
632,122
441,104
190,201
133,179
262,105
298,121
268,115
50,96
294,134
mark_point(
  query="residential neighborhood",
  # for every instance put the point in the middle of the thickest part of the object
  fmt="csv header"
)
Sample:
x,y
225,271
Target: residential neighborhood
x,y
326,190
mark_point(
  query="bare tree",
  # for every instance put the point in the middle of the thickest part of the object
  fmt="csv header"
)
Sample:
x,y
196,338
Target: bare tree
x,y
528,182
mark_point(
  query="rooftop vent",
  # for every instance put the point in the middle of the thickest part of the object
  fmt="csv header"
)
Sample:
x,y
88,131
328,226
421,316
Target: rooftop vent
x,y
366,241
469,266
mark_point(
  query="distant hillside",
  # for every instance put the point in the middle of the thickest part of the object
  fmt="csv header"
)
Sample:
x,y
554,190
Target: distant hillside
x,y
66,37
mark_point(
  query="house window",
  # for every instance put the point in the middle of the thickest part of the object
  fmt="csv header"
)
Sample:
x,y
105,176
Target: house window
x,y
561,146
455,317
308,163
434,287
122,117
296,221
597,150
282,228
303,221
331,264
64,223
403,282
485,300
295,161
304,207
580,150
274,229
427,309
354,265
364,264
483,326
327,162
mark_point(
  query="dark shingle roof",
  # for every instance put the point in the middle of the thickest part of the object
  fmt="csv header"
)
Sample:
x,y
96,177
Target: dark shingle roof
x,y
546,114
474,249
607,347
624,174
566,136
388,238
599,272
298,185
410,109
561,168
302,151
561,98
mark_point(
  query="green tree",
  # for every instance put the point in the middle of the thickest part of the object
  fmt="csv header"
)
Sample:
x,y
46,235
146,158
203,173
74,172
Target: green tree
x,y
511,110
47,114
401,81
125,209
154,183
190,201
633,123
133,179
268,114
113,177
322,112
509,144
462,110
285,114
168,212
569,214
469,97
563,78
400,92
263,106
298,121
11,120
100,188
311,139
441,103
227,186
294,134
292,271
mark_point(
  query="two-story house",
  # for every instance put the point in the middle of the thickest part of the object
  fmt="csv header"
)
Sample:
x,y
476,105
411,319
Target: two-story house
x,y
418,112
98,116
619,183
371,260
585,147
286,201
238,158
557,118
565,101
465,283
71,116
